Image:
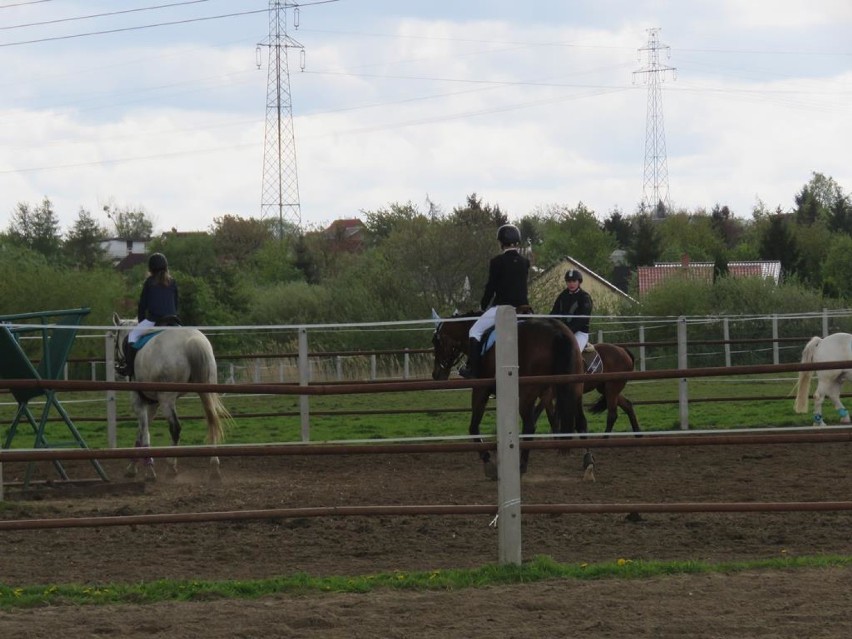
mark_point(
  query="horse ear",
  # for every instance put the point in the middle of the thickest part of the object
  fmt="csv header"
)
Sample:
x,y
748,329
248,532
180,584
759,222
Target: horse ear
x,y
116,320
436,317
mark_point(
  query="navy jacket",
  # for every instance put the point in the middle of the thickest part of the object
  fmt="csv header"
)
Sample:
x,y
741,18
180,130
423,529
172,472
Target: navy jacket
x,y
157,300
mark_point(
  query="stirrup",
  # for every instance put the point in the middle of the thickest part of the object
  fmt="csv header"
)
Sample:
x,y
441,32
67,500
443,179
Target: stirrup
x,y
466,372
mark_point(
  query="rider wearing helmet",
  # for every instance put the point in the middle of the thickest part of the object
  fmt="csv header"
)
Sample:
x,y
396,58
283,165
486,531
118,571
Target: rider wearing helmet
x,y
507,284
159,299
575,303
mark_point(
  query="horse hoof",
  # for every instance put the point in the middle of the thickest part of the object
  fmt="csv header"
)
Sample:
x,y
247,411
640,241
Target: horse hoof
x,y
589,473
490,469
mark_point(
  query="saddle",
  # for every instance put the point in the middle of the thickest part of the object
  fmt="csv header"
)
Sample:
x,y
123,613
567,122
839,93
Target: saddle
x,y
592,359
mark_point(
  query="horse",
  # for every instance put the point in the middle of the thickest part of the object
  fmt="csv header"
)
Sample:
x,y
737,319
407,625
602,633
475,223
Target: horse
x,y
545,347
613,359
172,355
837,347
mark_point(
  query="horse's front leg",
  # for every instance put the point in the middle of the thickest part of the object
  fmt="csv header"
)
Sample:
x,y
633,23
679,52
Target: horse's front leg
x,y
528,418
834,396
144,414
478,402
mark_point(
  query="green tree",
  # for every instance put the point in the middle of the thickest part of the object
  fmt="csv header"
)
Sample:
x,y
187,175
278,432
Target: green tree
x,y
82,246
475,214
382,222
130,223
237,239
837,268
690,233
840,215
617,225
779,243
646,246
36,228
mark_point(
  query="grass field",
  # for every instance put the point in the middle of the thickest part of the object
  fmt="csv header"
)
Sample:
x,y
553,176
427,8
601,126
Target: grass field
x,y
753,402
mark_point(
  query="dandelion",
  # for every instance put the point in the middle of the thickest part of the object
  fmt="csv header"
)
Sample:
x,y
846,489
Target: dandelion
x,y
624,562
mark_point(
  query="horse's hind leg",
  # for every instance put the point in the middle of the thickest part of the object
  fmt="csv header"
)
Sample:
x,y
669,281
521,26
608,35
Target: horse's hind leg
x,y
478,401
144,414
174,431
819,397
627,406
834,396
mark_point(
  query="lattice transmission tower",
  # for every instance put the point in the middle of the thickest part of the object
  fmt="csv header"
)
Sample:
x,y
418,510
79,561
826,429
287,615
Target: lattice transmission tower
x,y
655,186
280,190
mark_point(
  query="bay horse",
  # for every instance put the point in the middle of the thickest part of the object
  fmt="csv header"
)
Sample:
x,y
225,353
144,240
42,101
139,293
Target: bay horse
x,y
172,355
613,359
837,347
545,347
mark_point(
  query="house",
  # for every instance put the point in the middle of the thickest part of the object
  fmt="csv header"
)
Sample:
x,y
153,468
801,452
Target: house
x,y
651,276
346,234
118,248
606,295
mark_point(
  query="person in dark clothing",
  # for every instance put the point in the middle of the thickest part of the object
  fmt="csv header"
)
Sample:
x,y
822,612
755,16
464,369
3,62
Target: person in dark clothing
x,y
159,299
507,285
575,303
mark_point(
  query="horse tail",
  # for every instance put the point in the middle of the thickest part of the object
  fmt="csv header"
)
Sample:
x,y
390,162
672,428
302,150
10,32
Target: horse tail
x,y
202,369
804,384
630,355
569,397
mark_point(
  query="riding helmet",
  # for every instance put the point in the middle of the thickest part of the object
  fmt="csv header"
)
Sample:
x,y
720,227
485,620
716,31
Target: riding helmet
x,y
157,262
574,274
508,234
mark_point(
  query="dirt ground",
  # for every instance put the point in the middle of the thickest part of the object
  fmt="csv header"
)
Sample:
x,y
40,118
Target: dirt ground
x,y
796,603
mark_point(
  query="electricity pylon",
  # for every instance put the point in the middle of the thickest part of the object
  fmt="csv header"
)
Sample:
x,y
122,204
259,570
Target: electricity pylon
x,y
280,190
655,186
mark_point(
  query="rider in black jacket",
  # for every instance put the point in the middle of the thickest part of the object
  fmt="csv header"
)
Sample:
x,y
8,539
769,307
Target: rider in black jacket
x,y
575,303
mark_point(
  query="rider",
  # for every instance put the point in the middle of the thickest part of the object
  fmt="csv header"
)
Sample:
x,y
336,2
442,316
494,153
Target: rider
x,y
577,303
159,299
507,284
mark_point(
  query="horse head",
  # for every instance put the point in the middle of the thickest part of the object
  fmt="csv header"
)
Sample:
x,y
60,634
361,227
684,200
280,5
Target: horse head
x,y
449,342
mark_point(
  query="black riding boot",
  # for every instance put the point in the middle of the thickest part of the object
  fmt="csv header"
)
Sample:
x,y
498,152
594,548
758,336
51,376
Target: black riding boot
x,y
125,368
474,354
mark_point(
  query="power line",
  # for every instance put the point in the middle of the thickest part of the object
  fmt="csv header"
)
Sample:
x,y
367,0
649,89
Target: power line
x,y
136,28
23,4
100,15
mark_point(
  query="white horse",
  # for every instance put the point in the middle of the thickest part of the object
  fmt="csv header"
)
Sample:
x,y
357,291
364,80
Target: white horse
x,y
173,355
837,347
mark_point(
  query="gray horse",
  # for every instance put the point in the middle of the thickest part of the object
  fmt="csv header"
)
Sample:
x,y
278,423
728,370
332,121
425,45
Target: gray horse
x,y
173,355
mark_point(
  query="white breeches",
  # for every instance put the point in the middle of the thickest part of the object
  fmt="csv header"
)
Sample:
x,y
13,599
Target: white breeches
x,y
582,339
485,321
140,329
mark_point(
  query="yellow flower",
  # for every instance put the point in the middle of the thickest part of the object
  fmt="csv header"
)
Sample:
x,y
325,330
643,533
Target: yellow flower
x,y
624,562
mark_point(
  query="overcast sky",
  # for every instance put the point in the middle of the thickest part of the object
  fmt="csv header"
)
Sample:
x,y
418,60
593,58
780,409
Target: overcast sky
x,y
528,104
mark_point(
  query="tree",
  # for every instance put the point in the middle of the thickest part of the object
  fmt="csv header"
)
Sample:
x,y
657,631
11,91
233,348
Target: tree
x,y
83,242
36,228
237,239
646,246
130,224
840,215
619,227
837,268
779,243
726,225
814,201
382,222
476,214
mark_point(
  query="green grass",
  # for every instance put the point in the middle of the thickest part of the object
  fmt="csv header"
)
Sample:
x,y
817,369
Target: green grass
x,y
539,569
88,412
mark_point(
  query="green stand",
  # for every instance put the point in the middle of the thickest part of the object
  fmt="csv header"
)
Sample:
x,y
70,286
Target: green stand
x,y
57,330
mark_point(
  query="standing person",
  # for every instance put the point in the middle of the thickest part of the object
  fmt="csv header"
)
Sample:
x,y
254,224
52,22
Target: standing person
x,y
159,299
576,303
507,284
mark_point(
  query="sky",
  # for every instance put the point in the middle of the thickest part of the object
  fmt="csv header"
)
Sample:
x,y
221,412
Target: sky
x,y
160,105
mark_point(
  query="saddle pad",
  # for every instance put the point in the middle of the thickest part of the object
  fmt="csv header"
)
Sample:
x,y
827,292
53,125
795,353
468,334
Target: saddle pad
x,y
139,343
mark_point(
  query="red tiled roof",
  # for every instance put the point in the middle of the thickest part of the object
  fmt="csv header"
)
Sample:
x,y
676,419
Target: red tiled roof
x,y
650,276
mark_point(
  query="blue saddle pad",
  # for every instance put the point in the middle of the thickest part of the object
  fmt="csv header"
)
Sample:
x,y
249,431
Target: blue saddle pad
x,y
490,338
139,343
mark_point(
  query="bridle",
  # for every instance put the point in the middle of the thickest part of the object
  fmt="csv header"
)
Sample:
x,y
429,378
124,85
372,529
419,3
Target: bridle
x,y
444,361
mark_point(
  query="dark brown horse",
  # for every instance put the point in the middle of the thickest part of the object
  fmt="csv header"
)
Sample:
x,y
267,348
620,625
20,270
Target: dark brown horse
x,y
545,347
613,359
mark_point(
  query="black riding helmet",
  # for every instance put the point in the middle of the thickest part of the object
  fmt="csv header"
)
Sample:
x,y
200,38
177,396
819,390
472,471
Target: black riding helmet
x,y
574,274
508,234
157,262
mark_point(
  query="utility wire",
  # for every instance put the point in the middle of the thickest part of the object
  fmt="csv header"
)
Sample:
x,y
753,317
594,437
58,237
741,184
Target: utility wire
x,y
22,4
100,15
137,28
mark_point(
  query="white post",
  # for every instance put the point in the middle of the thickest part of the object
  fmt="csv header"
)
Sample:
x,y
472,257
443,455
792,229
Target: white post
x,y
304,380
508,441
373,367
406,371
641,347
726,335
825,322
775,339
109,375
683,392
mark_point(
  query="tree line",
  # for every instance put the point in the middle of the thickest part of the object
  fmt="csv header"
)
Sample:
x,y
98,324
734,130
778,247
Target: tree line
x,y
250,271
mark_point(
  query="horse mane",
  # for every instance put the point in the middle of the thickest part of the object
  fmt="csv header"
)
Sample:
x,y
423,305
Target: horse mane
x,y
456,314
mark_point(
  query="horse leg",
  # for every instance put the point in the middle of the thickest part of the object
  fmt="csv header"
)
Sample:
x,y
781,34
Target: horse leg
x,y
819,397
627,406
834,396
582,426
611,408
210,402
144,414
174,431
528,417
478,401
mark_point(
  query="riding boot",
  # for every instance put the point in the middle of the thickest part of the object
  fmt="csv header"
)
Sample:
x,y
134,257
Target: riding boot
x,y
474,354
131,359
